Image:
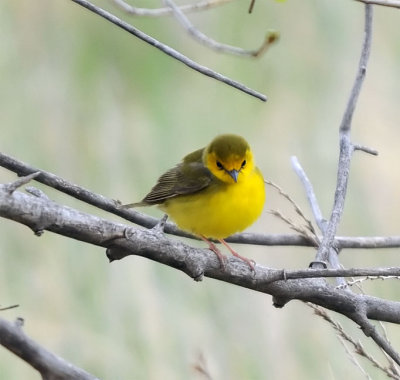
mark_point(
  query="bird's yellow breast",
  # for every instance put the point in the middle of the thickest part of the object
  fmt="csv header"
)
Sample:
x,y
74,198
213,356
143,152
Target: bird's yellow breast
x,y
221,209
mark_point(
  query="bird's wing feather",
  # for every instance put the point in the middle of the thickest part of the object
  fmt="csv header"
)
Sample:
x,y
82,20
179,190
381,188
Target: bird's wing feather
x,y
188,177
185,178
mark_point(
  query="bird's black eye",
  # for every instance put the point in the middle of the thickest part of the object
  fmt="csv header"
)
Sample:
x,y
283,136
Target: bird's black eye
x,y
219,165
243,163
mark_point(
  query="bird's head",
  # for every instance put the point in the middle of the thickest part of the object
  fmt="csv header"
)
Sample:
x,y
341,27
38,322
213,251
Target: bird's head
x,y
229,158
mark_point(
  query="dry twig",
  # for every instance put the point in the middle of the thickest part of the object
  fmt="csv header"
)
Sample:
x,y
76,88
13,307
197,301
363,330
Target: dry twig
x,y
168,50
385,3
270,38
147,12
346,147
357,346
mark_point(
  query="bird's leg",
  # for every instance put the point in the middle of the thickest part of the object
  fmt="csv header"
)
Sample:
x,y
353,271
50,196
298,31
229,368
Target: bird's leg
x,y
249,262
213,247
159,227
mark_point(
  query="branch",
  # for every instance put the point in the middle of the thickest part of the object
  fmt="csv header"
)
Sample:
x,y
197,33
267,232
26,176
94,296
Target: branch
x,y
346,148
385,3
122,240
50,366
199,6
312,199
351,272
168,50
321,222
270,38
110,205
40,213
370,330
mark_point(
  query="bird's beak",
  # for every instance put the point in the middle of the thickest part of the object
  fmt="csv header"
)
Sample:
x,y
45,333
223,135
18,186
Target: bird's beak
x,y
234,174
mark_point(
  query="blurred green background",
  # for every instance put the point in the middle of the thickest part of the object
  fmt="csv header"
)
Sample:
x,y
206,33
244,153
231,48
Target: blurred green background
x,y
85,100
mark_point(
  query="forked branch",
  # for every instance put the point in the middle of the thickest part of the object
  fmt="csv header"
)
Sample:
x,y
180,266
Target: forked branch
x,y
168,50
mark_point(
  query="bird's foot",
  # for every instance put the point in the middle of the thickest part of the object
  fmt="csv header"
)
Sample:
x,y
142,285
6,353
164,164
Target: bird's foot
x,y
250,263
159,227
213,247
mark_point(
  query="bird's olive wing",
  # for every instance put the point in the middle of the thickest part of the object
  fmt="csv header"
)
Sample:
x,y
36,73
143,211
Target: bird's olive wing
x,y
185,178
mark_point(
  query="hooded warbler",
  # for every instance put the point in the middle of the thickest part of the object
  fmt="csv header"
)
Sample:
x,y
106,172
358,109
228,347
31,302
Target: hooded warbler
x,y
213,193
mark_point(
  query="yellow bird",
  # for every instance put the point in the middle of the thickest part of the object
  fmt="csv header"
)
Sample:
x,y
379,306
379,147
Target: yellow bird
x,y
213,193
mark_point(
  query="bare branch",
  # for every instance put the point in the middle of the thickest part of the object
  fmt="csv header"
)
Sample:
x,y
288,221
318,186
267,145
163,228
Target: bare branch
x,y
21,182
393,272
346,148
110,205
168,50
147,12
370,330
270,38
362,68
251,6
50,366
8,307
312,199
365,149
122,240
385,3
370,278
342,242
41,214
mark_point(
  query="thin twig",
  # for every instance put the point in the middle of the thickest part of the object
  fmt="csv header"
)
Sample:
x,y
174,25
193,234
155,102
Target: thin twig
x,y
321,222
365,149
168,50
357,346
312,199
385,3
370,330
352,357
8,307
209,42
251,6
201,368
299,211
392,272
296,227
147,12
21,182
346,148
369,278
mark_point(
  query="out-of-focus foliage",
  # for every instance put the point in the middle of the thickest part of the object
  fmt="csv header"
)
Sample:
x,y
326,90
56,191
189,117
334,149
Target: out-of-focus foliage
x,y
85,100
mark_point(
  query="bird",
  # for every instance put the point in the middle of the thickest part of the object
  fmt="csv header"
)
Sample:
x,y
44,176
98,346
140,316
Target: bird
x,y
213,192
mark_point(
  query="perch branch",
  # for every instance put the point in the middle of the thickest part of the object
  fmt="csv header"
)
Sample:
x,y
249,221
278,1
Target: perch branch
x,y
168,50
121,240
50,366
109,205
